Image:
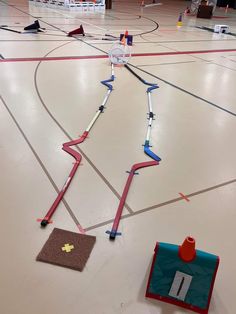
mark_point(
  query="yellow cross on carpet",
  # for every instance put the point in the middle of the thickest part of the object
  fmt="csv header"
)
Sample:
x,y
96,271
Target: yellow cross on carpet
x,y
68,248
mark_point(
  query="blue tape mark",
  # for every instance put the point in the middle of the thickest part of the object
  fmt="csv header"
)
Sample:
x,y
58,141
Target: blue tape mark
x,y
113,233
132,171
149,152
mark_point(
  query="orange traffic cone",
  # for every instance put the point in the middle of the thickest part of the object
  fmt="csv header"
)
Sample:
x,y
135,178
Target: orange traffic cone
x,y
187,250
77,31
126,33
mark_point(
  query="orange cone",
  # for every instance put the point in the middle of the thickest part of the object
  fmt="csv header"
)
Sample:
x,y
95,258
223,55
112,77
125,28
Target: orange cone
x,y
78,31
187,250
126,33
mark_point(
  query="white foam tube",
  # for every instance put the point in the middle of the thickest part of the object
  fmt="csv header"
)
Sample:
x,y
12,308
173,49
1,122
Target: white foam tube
x,y
98,112
112,69
149,102
150,119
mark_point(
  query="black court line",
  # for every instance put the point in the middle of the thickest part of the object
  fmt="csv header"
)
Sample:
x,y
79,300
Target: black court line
x,y
148,209
202,59
164,63
185,91
182,41
212,30
223,66
170,42
39,161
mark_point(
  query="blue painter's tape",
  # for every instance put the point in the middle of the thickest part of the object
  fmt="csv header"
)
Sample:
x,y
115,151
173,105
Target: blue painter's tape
x,y
113,233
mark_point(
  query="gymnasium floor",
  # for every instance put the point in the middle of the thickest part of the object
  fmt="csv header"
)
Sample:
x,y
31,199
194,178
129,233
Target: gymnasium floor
x,y
44,103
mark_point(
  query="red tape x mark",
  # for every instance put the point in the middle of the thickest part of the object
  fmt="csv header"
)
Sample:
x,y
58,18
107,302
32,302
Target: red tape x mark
x,y
184,197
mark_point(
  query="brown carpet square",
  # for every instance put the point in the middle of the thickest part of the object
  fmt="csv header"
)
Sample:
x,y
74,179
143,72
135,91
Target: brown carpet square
x,y
67,249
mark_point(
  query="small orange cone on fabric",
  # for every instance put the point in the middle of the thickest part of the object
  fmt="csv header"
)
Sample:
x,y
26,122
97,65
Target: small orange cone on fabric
x,y
187,250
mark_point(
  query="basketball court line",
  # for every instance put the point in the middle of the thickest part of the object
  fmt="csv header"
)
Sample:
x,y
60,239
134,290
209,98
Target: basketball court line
x,y
68,208
185,91
82,20
164,63
176,41
148,209
223,66
107,183
137,55
109,221
181,89
145,54
39,161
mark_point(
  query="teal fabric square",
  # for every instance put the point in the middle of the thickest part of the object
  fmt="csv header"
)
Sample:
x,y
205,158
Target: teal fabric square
x,y
202,270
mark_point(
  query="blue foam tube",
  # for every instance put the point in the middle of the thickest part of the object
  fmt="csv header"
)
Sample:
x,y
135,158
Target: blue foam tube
x,y
106,82
149,152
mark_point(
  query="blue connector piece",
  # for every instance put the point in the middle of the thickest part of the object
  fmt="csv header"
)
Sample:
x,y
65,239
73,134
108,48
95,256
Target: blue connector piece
x,y
154,86
113,234
106,82
148,152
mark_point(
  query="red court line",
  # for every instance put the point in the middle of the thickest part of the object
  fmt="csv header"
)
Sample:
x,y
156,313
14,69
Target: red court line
x,y
146,54
53,58
150,54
